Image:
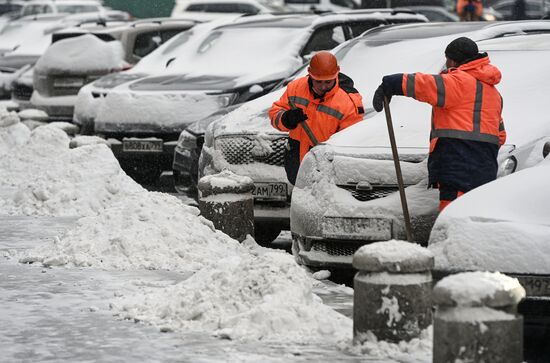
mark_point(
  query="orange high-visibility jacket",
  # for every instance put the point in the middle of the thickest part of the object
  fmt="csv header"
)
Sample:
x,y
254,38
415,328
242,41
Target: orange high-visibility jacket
x,y
460,4
466,104
334,112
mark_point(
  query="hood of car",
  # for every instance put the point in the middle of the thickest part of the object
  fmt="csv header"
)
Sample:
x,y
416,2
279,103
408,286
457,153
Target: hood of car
x,y
15,62
183,82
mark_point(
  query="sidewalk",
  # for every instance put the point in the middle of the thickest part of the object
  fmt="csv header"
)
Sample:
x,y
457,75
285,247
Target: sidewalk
x,y
63,314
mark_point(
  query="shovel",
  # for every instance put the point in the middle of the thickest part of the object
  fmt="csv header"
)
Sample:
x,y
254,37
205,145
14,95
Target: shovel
x,y
397,164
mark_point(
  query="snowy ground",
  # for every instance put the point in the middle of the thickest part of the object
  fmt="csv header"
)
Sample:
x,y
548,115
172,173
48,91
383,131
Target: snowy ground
x,y
86,251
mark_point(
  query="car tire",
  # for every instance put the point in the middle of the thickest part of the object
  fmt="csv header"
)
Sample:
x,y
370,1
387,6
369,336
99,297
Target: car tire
x,y
264,234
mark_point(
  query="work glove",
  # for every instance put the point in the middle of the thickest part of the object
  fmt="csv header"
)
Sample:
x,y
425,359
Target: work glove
x,y
292,118
390,86
378,99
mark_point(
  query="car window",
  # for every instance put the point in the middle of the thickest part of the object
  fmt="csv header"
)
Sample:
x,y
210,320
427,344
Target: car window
x,y
359,27
77,9
230,8
344,3
168,34
504,7
435,15
146,42
302,1
324,38
178,41
8,8
196,7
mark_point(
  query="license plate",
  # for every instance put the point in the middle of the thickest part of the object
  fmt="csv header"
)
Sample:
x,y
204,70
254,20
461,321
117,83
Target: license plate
x,y
535,285
270,191
365,229
68,82
154,146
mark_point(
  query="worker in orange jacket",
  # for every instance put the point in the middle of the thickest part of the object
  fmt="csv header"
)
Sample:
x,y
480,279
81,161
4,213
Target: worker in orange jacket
x,y
315,107
469,10
467,127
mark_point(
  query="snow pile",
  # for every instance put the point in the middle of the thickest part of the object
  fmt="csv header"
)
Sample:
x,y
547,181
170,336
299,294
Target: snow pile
x,y
144,230
51,179
418,350
245,297
12,133
85,53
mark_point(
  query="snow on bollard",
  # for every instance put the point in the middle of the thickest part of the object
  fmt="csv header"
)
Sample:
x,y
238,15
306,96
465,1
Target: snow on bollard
x,y
476,319
226,200
392,291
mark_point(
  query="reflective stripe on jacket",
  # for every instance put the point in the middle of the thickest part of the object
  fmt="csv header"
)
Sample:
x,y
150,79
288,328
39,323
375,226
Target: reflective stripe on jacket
x,y
466,104
334,112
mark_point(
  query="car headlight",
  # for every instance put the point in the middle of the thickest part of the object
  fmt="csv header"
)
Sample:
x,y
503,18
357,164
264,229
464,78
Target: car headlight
x,y
507,167
225,99
546,149
489,17
186,140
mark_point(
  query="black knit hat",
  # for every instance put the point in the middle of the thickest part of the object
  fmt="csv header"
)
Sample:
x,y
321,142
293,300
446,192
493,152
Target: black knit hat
x,y
461,49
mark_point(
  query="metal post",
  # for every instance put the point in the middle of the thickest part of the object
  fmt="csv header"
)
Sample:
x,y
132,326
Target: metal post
x,y
399,176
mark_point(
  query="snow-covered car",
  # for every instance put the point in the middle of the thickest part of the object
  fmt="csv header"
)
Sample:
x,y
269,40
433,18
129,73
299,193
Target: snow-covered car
x,y
249,127
228,65
56,88
206,10
32,35
345,195
504,226
92,95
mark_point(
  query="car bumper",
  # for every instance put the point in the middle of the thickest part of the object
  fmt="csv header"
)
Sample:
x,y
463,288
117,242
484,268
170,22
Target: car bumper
x,y
59,108
145,163
325,253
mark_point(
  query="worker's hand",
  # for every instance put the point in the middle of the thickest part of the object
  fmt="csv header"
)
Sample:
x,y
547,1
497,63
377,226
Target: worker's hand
x,y
378,99
391,86
292,118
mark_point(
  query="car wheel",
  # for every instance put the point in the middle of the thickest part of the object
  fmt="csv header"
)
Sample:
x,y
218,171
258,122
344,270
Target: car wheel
x,y
264,234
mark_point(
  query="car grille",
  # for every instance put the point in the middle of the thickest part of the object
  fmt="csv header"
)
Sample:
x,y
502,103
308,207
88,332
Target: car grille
x,y
375,193
248,149
335,248
22,92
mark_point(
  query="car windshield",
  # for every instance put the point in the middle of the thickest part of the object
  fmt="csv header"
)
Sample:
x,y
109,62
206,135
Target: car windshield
x,y
77,9
244,50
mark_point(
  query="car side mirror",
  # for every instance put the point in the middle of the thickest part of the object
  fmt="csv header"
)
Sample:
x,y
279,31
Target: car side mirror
x,y
255,88
170,61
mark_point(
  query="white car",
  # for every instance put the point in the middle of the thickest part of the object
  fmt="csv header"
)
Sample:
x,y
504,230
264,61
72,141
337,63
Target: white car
x,y
206,10
504,226
345,191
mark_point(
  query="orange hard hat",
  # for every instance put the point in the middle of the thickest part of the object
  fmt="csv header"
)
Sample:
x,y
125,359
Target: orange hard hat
x,y
323,66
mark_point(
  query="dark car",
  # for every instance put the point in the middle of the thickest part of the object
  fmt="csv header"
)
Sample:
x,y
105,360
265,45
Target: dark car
x,y
534,9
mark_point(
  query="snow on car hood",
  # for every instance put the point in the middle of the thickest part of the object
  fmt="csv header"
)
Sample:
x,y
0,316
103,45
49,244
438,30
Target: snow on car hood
x,y
500,226
250,118
153,111
85,53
